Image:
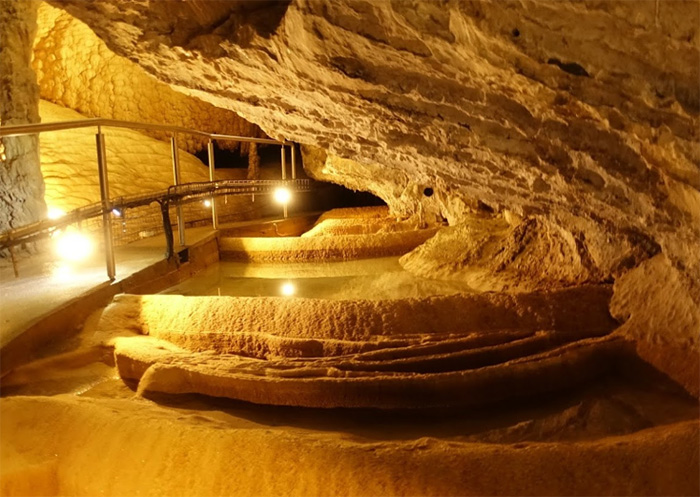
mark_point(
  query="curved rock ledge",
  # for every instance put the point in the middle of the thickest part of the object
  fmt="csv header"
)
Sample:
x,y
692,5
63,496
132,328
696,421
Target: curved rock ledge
x,y
184,320
324,248
464,349
349,383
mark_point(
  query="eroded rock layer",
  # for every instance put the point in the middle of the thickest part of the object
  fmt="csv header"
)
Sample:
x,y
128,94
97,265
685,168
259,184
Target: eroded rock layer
x,y
584,111
464,349
654,461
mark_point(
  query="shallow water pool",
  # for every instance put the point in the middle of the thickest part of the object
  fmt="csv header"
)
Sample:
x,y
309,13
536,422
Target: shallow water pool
x,y
372,279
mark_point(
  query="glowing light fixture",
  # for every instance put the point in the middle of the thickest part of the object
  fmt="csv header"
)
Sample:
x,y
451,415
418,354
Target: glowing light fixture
x,y
207,203
73,246
288,289
117,212
282,195
55,213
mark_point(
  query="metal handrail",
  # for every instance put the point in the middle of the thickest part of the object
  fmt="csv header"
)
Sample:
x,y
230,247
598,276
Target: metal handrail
x,y
34,128
180,194
30,231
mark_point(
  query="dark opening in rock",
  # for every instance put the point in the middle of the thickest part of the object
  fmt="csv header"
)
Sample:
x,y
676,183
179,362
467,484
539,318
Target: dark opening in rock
x,y
428,192
570,67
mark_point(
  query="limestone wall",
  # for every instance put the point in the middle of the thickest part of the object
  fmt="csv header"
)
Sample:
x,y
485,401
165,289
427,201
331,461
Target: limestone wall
x,y
77,70
136,164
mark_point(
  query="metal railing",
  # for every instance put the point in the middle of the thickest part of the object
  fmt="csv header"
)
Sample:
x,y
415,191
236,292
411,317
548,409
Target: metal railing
x,y
178,193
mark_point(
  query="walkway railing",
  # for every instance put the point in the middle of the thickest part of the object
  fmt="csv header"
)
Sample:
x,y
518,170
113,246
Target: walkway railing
x,y
179,193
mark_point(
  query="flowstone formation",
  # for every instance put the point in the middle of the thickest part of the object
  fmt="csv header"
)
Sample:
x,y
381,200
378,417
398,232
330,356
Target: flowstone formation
x,y
582,116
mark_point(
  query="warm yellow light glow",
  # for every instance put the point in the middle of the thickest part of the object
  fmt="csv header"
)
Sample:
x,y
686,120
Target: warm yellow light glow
x,y
62,273
73,246
117,212
282,195
55,213
288,289
207,203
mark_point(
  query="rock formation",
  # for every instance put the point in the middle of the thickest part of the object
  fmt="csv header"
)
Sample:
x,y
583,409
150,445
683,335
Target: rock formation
x,y
21,184
583,114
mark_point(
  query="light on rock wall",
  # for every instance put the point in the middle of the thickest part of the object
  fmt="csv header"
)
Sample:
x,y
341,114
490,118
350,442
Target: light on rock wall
x,y
207,203
282,195
73,246
288,289
55,213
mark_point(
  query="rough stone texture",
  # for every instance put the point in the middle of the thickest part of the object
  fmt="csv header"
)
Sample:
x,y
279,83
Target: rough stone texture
x,y
179,319
322,248
493,255
587,111
663,289
75,69
583,113
513,369
21,185
155,445
464,349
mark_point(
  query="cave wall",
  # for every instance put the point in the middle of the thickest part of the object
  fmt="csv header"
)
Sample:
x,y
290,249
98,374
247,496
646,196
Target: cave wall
x,y
21,185
136,163
75,69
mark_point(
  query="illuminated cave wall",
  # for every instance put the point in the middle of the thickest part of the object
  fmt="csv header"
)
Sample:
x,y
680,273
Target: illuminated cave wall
x,y
21,186
77,70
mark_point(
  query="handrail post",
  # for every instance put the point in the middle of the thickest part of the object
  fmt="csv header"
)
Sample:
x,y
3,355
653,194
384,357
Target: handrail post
x,y
292,150
212,166
176,179
284,163
284,172
106,204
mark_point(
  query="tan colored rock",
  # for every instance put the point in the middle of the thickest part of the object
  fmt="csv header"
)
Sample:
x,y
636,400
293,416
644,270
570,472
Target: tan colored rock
x,y
77,70
155,447
583,109
136,163
491,255
466,378
21,185
586,113
245,324
322,248
660,308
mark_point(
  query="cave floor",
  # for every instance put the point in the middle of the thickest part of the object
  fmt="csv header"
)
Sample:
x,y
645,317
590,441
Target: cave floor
x,y
71,425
